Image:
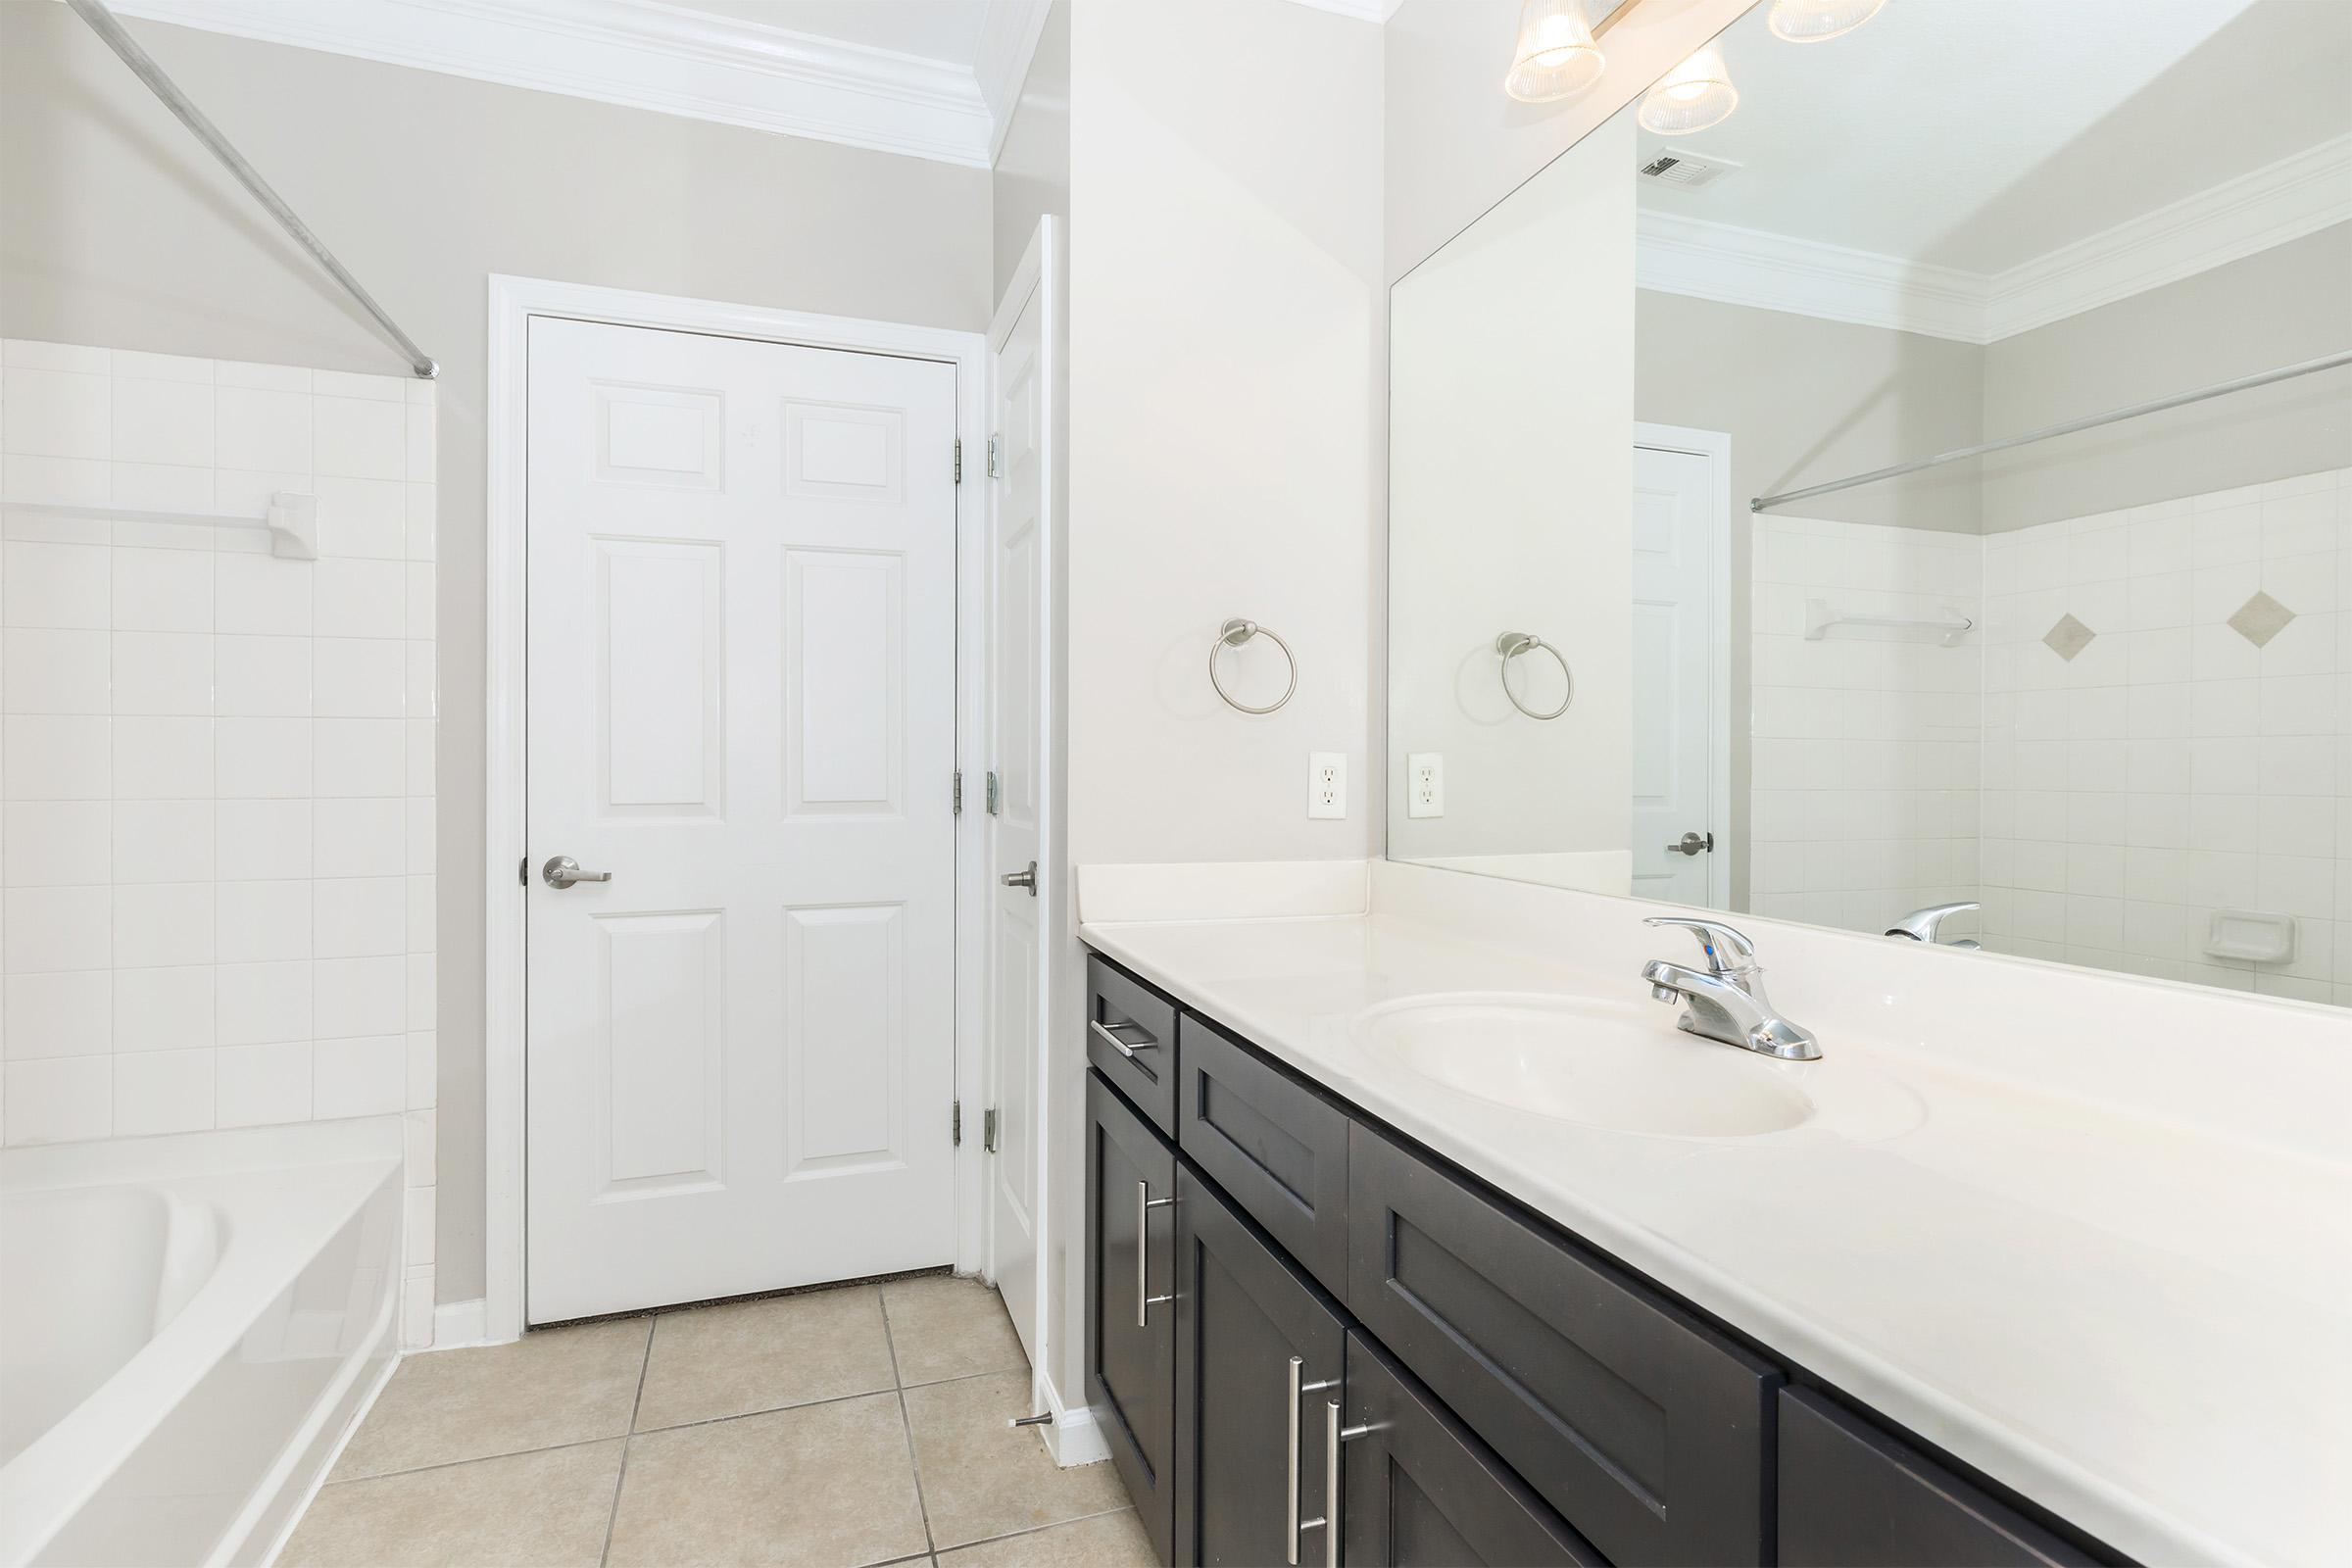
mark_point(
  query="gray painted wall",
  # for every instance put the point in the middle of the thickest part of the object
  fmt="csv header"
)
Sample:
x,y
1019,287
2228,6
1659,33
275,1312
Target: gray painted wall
x,y
1032,176
122,232
2275,307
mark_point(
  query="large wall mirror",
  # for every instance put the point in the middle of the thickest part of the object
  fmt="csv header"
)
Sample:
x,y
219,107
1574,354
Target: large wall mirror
x,y
1690,598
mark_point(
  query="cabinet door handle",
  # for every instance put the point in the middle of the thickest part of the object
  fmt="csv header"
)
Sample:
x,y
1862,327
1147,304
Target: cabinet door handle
x,y
1289,1476
1145,1301
1118,1044
1333,1435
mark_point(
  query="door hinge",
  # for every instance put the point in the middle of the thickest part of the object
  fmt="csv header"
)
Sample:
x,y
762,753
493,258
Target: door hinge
x,y
960,460
958,795
993,801
522,870
987,1131
992,457
955,1124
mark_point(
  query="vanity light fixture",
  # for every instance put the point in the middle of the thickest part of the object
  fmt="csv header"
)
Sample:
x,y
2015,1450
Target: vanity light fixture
x,y
1814,20
1555,56
1692,96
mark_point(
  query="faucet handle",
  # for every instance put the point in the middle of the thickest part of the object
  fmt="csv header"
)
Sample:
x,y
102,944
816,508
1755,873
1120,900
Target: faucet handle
x,y
1728,950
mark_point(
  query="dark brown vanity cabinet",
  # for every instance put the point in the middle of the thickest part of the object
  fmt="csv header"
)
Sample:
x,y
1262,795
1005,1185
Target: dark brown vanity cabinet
x,y
1287,1273
1130,1295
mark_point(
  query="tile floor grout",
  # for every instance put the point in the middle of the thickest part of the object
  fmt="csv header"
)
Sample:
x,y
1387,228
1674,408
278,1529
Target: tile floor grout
x,y
621,1476
682,1426
914,1462
921,1324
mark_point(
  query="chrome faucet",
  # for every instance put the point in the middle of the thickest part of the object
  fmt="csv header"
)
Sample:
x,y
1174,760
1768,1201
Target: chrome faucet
x,y
1727,1002
1920,925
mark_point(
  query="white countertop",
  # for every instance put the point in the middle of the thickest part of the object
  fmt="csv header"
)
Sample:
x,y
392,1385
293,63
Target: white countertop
x,y
2139,1323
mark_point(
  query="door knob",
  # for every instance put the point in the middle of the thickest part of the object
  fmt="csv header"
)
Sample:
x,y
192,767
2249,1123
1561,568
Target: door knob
x,y
562,871
1693,843
1023,879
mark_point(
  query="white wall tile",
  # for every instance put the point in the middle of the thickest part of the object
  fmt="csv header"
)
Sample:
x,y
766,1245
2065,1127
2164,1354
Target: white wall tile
x,y
360,597
162,672
163,1010
55,757
53,843
162,590
47,929
57,1099
163,923
268,759
55,413
44,671
256,1085
263,428
264,922
261,594
358,996
360,917
361,677
56,585
264,840
358,757
163,1092
358,1077
359,838
357,438
425,1070
163,759
258,677
363,517
59,1014
161,421
264,1002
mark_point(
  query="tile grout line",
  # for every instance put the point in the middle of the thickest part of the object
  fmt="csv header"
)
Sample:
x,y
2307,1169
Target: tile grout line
x,y
1037,1530
621,1476
914,1463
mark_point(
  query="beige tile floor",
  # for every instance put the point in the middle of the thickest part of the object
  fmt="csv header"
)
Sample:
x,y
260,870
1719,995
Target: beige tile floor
x,y
856,1426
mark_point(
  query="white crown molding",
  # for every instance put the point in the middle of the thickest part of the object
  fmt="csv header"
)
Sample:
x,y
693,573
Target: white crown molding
x,y
1735,266
1007,43
2284,201
1375,12
639,54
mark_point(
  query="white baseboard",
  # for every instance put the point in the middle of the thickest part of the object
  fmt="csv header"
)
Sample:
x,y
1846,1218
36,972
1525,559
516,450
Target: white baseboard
x,y
461,1323
1073,1437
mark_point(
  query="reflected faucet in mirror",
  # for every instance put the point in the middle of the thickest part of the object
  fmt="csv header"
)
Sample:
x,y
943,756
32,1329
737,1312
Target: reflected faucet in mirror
x,y
1726,1002
1921,925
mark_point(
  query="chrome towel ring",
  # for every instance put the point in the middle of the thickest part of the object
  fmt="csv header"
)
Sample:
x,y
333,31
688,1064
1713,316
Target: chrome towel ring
x,y
1510,644
1233,634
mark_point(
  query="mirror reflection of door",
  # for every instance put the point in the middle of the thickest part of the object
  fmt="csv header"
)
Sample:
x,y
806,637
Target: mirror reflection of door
x,y
1681,845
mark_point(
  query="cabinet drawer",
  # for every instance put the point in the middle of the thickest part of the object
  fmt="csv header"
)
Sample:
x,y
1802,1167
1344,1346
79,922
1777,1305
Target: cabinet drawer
x,y
1131,1040
1280,1152
1644,1428
1853,1496
1131,1337
1423,1493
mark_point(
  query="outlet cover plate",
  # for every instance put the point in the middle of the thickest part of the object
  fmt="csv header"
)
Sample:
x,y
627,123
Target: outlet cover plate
x,y
1327,784
1425,784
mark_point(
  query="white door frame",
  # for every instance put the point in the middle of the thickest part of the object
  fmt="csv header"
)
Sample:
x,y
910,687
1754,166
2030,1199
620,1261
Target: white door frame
x,y
1716,446
514,301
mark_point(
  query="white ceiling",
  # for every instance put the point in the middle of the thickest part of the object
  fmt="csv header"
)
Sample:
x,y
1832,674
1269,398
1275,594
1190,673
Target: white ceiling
x,y
1982,134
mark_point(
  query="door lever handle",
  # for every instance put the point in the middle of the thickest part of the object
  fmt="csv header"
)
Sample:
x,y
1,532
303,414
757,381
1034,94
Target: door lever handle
x,y
1023,879
562,871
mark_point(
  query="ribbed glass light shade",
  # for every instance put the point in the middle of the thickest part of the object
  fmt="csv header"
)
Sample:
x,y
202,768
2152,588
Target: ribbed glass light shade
x,y
1812,21
1556,55
1694,95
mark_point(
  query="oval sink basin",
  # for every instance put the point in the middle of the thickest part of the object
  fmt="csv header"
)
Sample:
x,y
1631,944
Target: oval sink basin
x,y
1623,1066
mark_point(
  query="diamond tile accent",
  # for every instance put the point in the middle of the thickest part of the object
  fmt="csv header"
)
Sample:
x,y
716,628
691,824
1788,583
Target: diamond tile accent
x,y
2068,638
2261,619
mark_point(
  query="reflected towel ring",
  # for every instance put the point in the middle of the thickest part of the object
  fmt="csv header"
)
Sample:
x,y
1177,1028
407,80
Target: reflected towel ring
x,y
1233,634
1510,644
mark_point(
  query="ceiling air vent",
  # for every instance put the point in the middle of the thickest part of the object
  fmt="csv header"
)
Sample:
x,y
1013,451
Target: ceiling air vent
x,y
1685,170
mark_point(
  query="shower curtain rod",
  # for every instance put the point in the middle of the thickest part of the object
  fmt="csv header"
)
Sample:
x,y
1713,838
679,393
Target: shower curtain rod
x,y
102,22
2285,373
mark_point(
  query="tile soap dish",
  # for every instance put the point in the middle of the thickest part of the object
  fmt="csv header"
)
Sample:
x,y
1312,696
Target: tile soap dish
x,y
2251,936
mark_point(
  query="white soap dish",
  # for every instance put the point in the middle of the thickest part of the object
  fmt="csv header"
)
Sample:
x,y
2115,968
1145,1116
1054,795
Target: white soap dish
x,y
2251,936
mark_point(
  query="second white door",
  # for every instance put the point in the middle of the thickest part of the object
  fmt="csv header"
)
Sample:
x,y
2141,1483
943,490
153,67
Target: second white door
x,y
1680,846
742,610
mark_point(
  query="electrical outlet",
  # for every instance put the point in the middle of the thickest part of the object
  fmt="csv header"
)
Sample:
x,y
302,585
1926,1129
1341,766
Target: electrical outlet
x,y
1327,784
1425,784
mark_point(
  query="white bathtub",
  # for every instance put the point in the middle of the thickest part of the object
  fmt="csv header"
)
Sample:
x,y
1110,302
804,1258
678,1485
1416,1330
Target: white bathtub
x,y
187,1327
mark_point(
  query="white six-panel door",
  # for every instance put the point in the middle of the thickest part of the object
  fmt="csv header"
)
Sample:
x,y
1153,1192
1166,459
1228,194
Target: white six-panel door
x,y
740,677
1677,622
